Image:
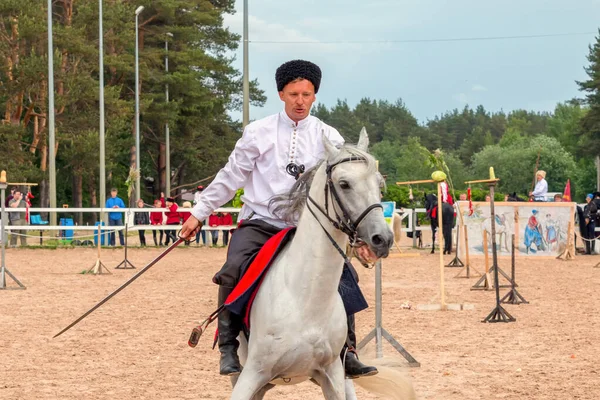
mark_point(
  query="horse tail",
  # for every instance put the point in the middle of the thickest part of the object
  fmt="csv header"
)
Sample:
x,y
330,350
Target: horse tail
x,y
389,383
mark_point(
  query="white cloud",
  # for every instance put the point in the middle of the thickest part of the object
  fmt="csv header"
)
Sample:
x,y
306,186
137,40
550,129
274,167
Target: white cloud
x,y
260,30
479,88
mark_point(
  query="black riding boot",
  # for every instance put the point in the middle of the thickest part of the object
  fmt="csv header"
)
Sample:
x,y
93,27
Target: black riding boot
x,y
230,325
354,368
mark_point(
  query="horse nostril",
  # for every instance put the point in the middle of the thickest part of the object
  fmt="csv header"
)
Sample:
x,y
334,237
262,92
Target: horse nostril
x,y
377,240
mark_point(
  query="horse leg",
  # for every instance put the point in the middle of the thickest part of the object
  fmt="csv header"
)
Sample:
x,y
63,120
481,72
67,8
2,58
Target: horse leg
x,y
252,382
448,238
260,395
332,381
432,239
350,392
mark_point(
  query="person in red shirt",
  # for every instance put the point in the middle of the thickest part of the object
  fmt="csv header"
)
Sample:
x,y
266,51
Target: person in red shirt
x,y
173,218
213,222
185,215
156,218
225,220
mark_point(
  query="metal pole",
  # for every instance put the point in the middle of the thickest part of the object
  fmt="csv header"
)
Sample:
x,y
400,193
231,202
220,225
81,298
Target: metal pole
x,y
101,101
414,227
137,107
167,139
378,311
4,236
51,137
246,83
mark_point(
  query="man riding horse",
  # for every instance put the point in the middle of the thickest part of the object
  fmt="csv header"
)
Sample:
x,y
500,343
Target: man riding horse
x,y
266,161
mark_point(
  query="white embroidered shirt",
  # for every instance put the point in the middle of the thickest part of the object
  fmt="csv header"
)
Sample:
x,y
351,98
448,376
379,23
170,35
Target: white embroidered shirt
x,y
258,164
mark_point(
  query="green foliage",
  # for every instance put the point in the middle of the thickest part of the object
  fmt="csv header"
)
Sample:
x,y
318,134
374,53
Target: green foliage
x,y
588,136
514,164
237,199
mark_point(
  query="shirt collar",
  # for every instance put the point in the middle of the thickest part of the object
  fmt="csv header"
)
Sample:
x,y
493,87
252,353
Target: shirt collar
x,y
289,122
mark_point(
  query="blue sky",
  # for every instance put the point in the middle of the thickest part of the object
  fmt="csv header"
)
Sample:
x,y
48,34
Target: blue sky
x,y
430,77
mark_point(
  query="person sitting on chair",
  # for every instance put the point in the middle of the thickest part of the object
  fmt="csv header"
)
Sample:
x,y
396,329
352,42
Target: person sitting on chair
x,y
266,161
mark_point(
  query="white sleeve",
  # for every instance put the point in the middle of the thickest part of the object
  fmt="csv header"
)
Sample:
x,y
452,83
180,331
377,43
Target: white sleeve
x,y
231,177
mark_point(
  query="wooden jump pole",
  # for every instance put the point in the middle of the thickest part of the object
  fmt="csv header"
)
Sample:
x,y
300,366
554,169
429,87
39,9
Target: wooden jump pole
x,y
98,266
442,306
569,252
442,243
415,182
467,266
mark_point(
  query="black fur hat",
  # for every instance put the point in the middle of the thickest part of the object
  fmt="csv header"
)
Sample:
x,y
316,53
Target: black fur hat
x,y
295,69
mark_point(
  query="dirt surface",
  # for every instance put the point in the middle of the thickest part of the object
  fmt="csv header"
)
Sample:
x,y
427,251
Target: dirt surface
x,y
135,346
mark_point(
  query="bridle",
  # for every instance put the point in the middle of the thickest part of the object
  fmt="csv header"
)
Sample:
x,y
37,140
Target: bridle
x,y
344,222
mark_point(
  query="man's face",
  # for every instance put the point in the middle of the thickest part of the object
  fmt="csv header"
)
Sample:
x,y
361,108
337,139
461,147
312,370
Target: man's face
x,y
113,194
298,97
17,195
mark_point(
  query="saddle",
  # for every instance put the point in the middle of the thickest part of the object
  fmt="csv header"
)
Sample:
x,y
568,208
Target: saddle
x,y
241,298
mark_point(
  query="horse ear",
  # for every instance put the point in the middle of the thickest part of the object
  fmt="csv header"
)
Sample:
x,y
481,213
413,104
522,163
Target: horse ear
x,y
330,150
363,140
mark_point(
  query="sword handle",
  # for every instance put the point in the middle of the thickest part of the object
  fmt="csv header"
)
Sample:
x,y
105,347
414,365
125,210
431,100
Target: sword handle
x,y
195,336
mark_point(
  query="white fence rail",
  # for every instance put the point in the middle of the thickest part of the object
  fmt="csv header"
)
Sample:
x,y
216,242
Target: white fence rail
x,y
129,213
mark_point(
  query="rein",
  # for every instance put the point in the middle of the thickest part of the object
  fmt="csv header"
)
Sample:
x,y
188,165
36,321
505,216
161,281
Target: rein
x,y
344,222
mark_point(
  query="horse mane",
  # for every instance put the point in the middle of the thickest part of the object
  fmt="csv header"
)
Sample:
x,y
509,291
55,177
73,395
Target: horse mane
x,y
289,206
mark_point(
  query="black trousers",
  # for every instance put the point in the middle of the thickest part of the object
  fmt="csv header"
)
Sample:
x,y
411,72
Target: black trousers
x,y
246,241
154,236
590,244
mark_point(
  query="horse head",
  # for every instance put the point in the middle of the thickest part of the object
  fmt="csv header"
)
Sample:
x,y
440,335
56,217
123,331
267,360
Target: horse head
x,y
514,197
430,201
347,190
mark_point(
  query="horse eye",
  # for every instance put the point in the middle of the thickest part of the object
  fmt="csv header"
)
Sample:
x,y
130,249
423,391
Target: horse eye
x,y
344,185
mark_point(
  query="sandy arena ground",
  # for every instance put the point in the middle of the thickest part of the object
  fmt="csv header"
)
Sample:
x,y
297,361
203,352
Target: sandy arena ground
x,y
135,346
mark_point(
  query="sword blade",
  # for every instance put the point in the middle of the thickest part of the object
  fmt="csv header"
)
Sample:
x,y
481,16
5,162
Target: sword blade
x,y
123,286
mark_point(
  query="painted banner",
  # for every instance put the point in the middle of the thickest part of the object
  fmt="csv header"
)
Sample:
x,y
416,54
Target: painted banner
x,y
540,228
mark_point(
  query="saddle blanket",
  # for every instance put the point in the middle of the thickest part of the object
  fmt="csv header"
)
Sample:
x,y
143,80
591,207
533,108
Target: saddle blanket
x,y
241,298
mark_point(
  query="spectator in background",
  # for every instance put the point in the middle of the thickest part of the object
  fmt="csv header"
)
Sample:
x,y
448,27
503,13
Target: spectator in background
x,y
17,218
213,221
202,233
141,218
156,218
558,198
226,220
462,197
115,218
173,218
541,187
185,215
488,198
10,197
589,213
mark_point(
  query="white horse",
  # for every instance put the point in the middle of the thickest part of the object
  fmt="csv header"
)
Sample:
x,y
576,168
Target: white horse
x,y
298,321
504,228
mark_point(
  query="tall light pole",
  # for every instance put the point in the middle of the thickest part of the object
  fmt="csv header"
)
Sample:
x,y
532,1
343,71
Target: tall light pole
x,y
168,144
246,102
101,111
137,107
51,134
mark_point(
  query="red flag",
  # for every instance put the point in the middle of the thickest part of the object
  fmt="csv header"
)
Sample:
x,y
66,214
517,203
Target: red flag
x,y
567,193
